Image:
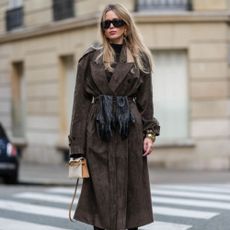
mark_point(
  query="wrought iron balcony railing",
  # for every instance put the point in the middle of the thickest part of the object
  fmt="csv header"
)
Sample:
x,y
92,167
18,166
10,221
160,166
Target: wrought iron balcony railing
x,y
63,9
163,5
14,18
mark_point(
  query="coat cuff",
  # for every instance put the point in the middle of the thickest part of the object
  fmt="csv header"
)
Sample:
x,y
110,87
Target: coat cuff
x,y
74,148
152,125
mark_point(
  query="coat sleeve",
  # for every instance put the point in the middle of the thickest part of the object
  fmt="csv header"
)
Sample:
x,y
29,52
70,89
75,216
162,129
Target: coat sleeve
x,y
81,104
144,101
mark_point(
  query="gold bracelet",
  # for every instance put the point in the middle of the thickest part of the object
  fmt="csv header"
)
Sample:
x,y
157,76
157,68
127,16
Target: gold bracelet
x,y
151,136
150,131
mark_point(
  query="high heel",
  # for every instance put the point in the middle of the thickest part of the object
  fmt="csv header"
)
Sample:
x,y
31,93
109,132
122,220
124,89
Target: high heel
x,y
96,228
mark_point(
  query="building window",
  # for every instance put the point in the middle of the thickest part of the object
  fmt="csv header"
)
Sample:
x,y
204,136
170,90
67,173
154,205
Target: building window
x,y
158,5
15,4
14,15
170,87
63,9
18,100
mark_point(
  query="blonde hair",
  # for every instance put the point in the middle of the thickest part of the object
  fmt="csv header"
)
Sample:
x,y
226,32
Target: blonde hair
x,y
132,39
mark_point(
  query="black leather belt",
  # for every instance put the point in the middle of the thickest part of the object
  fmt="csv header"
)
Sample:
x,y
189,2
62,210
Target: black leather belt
x,y
130,98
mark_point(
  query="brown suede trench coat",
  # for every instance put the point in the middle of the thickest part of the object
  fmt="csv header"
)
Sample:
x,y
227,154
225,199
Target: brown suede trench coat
x,y
117,194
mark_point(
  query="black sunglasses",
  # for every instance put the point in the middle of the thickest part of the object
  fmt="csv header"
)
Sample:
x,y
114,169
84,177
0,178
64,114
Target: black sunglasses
x,y
116,23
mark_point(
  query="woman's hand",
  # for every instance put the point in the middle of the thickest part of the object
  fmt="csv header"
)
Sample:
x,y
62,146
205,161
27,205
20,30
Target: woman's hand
x,y
148,146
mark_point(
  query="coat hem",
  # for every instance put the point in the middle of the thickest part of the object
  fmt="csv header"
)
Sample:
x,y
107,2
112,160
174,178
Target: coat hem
x,y
89,221
82,219
141,223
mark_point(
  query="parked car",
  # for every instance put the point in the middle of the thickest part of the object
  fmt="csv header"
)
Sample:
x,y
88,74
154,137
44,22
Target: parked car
x,y
9,163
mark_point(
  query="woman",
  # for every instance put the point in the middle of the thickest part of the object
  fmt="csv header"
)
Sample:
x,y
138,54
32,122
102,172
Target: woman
x,y
113,126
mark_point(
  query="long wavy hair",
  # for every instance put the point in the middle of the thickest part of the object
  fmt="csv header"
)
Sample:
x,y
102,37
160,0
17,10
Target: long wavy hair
x,y
132,39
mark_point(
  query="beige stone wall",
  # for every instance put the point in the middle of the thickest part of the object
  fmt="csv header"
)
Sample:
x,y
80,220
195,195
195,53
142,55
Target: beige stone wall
x,y
209,92
88,7
5,89
41,60
3,8
37,13
203,5
205,40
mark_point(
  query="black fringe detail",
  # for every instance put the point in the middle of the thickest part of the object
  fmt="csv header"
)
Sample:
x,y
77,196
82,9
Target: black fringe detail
x,y
123,116
104,117
114,114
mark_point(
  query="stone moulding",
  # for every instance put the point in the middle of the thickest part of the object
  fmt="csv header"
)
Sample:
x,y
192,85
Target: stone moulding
x,y
140,17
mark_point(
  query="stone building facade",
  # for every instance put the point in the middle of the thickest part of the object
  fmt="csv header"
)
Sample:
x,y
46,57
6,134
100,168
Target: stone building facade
x,y
41,41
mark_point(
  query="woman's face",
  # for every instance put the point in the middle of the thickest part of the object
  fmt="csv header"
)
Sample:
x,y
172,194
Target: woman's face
x,y
114,34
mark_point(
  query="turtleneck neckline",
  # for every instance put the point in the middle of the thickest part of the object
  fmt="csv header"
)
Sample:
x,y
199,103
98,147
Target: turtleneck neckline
x,y
117,48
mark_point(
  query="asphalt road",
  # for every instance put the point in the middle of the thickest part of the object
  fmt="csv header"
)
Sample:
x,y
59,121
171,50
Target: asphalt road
x,y
193,200
176,206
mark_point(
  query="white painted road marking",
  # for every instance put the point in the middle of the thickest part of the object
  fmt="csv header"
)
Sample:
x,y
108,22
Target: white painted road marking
x,y
165,226
9,224
213,196
44,197
197,188
166,200
68,191
191,202
183,212
158,210
33,209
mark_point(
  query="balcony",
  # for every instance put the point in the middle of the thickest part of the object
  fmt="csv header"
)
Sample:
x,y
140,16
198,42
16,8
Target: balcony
x,y
163,5
63,9
14,18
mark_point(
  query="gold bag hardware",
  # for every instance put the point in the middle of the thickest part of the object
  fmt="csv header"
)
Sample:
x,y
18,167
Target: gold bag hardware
x,y
78,168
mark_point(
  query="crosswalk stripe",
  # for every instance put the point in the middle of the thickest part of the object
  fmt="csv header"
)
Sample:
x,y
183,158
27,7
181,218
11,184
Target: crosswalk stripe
x,y
9,224
62,190
209,188
194,188
158,210
191,202
158,225
183,212
44,197
33,209
226,185
191,194
167,199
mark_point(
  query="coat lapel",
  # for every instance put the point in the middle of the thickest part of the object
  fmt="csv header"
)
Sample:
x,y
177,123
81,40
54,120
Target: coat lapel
x,y
99,77
122,68
120,72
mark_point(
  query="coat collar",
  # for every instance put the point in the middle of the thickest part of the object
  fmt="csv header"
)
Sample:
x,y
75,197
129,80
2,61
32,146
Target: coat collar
x,y
119,74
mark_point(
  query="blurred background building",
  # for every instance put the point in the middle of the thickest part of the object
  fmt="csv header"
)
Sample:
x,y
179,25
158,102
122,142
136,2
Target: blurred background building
x,y
41,41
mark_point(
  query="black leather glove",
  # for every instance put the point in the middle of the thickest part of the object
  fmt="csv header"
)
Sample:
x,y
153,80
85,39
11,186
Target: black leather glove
x,y
104,118
123,116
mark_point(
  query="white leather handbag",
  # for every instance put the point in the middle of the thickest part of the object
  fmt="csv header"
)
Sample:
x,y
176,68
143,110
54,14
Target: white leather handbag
x,y
78,169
